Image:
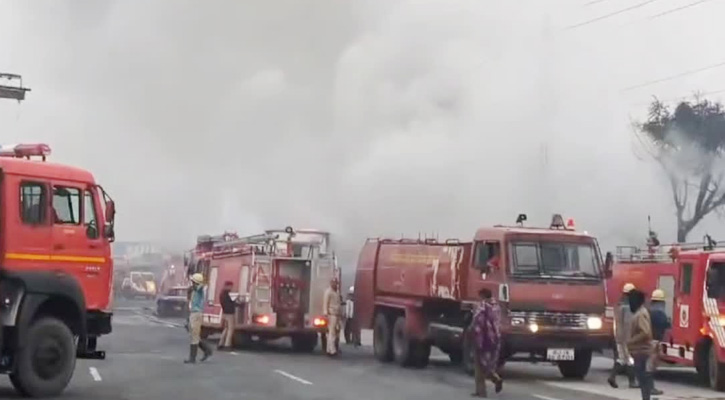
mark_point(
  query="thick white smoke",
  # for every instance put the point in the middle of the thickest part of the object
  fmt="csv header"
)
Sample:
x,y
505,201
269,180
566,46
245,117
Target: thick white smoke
x,y
365,118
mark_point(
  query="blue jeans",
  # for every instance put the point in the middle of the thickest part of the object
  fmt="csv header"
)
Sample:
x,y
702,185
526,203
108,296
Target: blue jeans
x,y
643,376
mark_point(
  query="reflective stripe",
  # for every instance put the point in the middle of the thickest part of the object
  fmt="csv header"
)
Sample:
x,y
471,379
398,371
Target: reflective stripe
x,y
48,257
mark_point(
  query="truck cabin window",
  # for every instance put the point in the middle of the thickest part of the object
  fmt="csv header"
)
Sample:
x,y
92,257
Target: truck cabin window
x,y
66,205
556,259
32,203
487,255
89,215
716,280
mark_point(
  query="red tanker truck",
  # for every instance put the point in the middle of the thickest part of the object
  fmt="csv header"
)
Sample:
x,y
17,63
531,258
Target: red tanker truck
x,y
416,293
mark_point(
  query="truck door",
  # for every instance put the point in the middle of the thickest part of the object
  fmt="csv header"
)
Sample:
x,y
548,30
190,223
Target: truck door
x,y
30,240
98,274
486,271
71,252
684,309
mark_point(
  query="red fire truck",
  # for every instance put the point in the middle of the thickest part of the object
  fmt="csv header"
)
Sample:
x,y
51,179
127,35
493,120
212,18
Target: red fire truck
x,y
280,278
692,275
56,271
416,293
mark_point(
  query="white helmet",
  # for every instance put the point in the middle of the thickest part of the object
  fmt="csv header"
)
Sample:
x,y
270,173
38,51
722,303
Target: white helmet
x,y
351,290
198,278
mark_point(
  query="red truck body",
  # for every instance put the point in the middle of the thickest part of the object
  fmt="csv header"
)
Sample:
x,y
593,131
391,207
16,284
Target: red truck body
x,y
694,286
549,283
279,277
56,270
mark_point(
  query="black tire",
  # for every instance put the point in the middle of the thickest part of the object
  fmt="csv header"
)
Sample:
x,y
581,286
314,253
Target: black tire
x,y
241,340
160,309
404,348
456,357
577,368
323,342
422,355
716,371
467,356
382,339
304,343
51,375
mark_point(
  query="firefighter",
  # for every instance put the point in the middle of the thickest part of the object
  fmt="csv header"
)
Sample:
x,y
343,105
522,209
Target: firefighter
x,y
660,324
228,309
332,305
622,321
196,307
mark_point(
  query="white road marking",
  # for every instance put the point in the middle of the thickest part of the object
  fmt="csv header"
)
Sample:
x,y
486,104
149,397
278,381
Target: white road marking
x,y
288,375
234,353
94,373
544,397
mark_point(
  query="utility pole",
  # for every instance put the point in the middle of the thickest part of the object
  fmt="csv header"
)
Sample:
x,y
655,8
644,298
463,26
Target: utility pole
x,y
10,91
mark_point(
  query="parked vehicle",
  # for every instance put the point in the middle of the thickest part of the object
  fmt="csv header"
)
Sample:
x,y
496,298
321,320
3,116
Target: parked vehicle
x,y
56,270
174,302
139,284
418,293
279,278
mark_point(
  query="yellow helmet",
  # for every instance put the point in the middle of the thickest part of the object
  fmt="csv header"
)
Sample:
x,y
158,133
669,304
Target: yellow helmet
x,y
197,278
628,287
658,295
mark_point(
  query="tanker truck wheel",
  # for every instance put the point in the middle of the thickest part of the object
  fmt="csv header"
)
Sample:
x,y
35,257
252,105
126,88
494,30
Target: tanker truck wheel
x,y
405,349
45,365
577,368
304,343
716,370
382,341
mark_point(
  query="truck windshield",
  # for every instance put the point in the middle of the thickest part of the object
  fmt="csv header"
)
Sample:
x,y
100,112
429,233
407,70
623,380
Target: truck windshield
x,y
555,258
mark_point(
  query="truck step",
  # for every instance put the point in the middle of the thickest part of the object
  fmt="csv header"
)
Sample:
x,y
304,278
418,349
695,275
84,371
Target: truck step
x,y
92,355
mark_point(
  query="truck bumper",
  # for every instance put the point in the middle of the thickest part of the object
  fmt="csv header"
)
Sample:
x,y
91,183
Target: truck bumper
x,y
529,342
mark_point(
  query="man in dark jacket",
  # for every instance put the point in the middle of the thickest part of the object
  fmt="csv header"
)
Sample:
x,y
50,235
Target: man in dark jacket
x,y
640,341
228,309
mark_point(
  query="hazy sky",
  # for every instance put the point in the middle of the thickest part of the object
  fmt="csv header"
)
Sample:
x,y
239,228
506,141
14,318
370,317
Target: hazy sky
x,y
362,117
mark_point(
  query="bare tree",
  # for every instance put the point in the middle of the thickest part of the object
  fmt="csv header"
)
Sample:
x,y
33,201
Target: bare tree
x,y
689,144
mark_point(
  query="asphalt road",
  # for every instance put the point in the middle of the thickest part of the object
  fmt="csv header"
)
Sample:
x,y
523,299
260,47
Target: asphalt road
x,y
145,353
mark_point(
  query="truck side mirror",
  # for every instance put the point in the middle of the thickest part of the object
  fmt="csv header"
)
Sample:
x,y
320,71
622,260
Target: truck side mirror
x,y
608,265
110,211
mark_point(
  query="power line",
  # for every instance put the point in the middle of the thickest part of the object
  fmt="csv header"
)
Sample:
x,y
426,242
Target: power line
x,y
612,14
673,10
669,78
593,2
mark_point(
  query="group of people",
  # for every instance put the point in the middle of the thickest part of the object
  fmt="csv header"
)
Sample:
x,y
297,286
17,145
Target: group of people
x,y
637,331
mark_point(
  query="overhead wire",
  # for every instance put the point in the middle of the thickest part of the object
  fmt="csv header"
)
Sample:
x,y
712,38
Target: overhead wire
x,y
680,8
612,14
680,75
593,2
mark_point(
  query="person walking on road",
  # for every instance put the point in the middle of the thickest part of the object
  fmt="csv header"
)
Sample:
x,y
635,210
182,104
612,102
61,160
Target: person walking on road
x,y
487,334
332,305
196,307
228,309
622,321
640,341
660,324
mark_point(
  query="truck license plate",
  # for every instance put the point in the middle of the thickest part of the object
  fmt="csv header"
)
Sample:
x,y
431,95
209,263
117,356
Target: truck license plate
x,y
560,354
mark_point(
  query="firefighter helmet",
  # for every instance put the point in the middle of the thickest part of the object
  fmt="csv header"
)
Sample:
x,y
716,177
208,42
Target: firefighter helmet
x,y
658,295
351,290
197,278
628,287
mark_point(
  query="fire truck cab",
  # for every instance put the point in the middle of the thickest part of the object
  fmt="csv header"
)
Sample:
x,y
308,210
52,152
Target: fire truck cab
x,y
692,275
56,271
279,279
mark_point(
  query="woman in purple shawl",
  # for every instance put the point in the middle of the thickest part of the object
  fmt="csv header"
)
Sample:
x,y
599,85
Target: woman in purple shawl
x,y
487,335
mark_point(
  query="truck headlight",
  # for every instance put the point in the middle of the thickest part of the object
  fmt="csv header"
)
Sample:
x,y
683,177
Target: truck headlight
x,y
594,323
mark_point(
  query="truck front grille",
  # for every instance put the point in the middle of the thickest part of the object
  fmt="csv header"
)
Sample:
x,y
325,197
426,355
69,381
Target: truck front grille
x,y
549,319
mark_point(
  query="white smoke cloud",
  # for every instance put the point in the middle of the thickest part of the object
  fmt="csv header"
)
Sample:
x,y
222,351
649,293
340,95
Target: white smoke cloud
x,y
365,118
